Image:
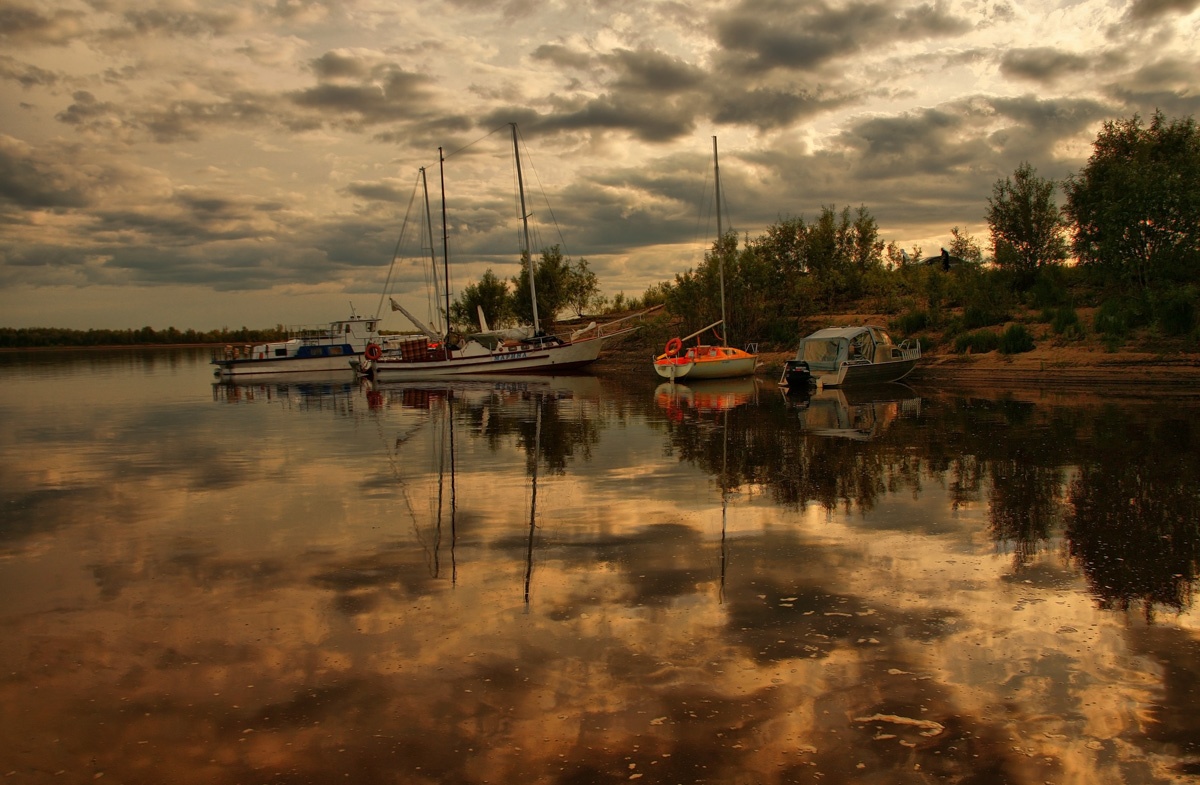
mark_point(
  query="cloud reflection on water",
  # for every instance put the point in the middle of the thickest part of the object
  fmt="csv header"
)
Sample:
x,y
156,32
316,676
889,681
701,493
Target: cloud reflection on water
x,y
309,617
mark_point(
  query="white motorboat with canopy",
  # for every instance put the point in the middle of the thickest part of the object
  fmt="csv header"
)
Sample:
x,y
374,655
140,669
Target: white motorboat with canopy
x,y
842,356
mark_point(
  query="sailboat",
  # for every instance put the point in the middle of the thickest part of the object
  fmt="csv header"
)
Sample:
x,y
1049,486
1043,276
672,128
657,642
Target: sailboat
x,y
702,360
528,350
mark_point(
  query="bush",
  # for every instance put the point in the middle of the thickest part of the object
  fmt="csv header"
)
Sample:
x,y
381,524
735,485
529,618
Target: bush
x,y
911,322
1117,317
975,316
1175,312
976,342
1065,322
1015,340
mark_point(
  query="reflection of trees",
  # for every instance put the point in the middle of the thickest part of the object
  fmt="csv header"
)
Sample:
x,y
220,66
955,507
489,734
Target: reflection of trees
x,y
1024,504
565,429
1134,516
1130,516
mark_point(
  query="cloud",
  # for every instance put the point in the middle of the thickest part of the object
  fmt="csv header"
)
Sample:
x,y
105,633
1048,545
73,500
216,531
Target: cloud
x,y
23,25
1042,64
761,35
1147,11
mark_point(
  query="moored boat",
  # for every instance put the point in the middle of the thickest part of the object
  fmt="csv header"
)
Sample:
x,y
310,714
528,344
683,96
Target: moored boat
x,y
306,349
518,350
708,361
843,356
704,361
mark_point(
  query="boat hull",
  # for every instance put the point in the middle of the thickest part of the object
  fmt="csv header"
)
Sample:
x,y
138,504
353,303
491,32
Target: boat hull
x,y
552,358
726,368
276,365
851,374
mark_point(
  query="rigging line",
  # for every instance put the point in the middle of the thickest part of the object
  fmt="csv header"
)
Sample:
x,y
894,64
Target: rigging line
x,y
469,145
396,251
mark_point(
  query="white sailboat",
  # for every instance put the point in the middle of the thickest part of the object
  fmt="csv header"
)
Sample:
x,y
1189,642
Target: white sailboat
x,y
433,355
704,360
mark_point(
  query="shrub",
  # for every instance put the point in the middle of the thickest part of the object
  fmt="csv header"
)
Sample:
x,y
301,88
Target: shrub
x,y
976,342
911,322
1175,312
1065,322
1015,340
975,316
1117,317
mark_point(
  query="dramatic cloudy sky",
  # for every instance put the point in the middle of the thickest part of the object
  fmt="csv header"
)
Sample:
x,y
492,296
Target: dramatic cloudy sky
x,y
208,163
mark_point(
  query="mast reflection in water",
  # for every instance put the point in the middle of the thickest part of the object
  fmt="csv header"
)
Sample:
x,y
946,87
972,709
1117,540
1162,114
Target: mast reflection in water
x,y
588,580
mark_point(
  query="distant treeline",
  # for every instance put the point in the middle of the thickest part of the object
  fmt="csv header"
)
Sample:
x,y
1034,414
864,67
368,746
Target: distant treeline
x,y
34,337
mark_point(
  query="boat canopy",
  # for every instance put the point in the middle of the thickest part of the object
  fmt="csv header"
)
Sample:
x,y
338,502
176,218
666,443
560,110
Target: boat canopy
x,y
826,349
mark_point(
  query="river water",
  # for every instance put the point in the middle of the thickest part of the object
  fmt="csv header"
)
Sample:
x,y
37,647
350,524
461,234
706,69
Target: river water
x,y
589,580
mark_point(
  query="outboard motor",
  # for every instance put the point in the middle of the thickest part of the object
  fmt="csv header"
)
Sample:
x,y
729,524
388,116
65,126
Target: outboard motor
x,y
797,378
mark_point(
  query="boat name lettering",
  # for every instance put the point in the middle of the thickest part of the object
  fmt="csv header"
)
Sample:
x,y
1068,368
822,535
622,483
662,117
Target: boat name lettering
x,y
510,356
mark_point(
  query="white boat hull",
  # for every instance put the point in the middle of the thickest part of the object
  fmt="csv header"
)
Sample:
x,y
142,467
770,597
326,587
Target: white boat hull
x,y
524,359
271,366
730,368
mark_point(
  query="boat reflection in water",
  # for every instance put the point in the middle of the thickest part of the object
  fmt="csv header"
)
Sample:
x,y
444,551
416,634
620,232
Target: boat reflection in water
x,y
288,390
706,395
859,413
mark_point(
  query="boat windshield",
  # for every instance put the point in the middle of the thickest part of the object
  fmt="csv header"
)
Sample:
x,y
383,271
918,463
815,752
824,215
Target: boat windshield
x,y
821,354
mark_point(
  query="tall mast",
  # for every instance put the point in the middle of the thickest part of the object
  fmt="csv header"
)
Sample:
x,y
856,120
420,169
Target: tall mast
x,y
720,238
525,223
445,243
437,293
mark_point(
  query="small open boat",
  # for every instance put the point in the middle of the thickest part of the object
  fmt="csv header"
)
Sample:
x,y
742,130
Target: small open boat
x,y
842,356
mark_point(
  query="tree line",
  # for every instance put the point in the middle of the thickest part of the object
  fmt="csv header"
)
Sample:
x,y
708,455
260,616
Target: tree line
x,y
43,337
1130,223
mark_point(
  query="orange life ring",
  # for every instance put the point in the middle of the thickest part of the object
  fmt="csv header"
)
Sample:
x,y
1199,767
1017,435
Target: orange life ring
x,y
373,352
673,347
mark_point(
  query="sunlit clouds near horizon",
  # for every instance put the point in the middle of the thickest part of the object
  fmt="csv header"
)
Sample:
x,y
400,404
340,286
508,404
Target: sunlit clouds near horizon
x,y
207,164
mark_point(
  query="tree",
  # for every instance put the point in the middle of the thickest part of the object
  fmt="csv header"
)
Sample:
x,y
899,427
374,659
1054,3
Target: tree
x,y
965,247
1136,204
491,294
560,284
1027,226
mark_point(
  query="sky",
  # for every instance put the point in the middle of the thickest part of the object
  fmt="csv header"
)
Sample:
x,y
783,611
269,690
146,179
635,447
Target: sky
x,y
216,164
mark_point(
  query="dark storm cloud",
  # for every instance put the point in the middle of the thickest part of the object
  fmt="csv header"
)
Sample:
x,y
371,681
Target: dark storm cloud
x,y
770,108
25,74
382,94
762,35
35,179
1042,64
562,56
1152,10
25,25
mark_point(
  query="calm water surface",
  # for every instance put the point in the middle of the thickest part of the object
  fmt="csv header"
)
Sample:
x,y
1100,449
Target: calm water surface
x,y
588,580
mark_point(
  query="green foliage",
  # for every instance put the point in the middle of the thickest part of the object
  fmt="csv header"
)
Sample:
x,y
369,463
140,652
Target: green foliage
x,y
1065,321
560,283
1175,311
490,293
910,323
965,247
1016,340
1117,317
1026,224
42,337
977,315
1136,204
976,342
